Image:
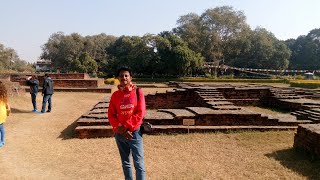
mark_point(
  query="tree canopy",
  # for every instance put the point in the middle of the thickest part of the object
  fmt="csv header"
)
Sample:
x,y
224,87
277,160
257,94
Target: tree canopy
x,y
220,35
76,53
10,61
305,51
164,54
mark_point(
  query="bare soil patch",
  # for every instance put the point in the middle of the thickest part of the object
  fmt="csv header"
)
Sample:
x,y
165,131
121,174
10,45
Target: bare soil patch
x,y
43,147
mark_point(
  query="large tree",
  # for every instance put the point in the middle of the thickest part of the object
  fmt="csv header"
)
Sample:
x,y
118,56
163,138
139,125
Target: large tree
x,y
10,61
65,51
261,49
212,32
95,47
62,50
128,51
164,54
176,56
305,51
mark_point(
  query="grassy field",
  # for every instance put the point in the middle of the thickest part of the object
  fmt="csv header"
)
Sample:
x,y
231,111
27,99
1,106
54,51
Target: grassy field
x,y
43,147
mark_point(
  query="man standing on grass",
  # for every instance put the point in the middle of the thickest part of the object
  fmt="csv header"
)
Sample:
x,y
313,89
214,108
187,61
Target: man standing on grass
x,y
47,92
125,114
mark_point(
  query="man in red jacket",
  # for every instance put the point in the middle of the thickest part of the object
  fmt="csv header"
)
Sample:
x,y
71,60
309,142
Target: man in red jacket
x,y
125,115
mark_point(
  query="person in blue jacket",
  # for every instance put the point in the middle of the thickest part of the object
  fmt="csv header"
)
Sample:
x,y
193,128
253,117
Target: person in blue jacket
x,y
47,92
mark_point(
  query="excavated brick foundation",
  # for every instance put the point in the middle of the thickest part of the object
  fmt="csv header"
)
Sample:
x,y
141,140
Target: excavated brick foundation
x,y
212,108
308,138
68,82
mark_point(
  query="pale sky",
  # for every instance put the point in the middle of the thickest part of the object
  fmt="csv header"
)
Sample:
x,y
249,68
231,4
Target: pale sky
x,y
26,25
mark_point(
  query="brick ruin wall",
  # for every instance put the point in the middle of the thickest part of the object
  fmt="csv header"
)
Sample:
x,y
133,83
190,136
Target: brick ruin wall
x,y
5,77
171,100
13,88
75,83
307,138
235,120
257,97
73,80
245,97
70,76
277,103
73,76
188,98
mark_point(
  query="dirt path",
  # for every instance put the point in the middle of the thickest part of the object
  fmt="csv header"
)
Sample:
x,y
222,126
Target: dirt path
x,y
39,145
42,147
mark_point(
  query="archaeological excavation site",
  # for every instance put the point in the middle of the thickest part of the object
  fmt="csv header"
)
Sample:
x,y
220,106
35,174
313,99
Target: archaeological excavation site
x,y
201,108
190,108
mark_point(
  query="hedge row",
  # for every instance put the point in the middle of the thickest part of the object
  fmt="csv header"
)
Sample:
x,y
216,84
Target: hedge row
x,y
164,80
310,84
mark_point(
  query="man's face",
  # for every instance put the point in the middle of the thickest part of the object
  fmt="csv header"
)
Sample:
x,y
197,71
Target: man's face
x,y
124,78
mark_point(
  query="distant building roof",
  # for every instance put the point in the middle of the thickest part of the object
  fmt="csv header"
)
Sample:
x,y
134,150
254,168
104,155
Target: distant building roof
x,y
43,61
43,65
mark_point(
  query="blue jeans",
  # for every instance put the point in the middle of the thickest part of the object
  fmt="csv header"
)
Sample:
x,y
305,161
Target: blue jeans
x,y
2,133
134,146
46,98
34,100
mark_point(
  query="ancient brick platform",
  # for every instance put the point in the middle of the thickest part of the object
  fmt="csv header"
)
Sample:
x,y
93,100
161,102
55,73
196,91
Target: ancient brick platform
x,y
13,88
308,138
68,82
211,108
69,76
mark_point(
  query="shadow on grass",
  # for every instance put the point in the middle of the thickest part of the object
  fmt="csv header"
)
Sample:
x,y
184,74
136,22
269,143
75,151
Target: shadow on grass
x,y
15,110
298,161
69,132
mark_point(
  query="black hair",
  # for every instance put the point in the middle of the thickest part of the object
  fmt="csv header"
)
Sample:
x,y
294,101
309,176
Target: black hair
x,y
124,69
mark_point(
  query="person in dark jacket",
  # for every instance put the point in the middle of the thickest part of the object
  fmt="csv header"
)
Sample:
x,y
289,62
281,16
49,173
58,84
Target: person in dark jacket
x,y
47,92
33,82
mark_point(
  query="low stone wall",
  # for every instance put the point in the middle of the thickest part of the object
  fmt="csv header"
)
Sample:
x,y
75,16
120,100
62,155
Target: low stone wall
x,y
223,119
281,104
188,97
69,76
66,76
244,93
174,99
5,77
20,78
245,102
77,83
73,80
13,88
308,138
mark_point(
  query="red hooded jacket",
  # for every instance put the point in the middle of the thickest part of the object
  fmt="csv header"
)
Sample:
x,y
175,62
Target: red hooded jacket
x,y
125,110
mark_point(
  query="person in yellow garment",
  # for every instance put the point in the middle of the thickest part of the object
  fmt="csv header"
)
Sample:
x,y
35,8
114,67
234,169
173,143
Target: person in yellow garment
x,y
4,111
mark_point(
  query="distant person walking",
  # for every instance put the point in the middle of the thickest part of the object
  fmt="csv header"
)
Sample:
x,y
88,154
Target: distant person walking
x,y
4,111
33,82
47,92
125,114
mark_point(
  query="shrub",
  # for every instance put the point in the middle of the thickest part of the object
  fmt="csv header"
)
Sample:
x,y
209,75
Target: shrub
x,y
310,84
111,81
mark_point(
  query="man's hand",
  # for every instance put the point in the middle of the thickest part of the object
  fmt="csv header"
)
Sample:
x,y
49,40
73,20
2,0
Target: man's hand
x,y
128,135
121,129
